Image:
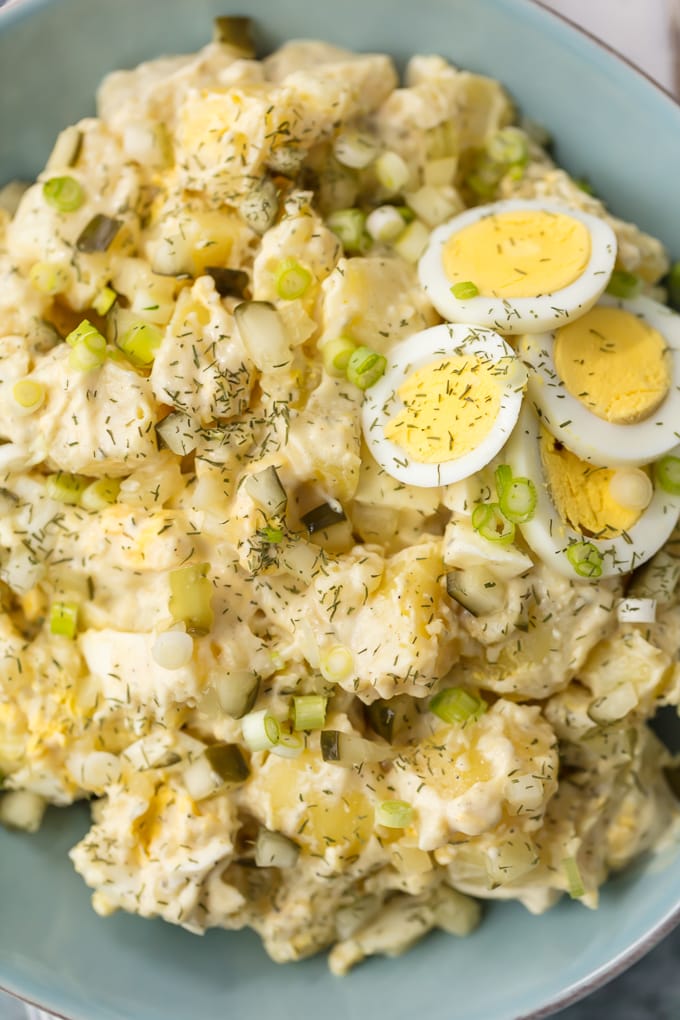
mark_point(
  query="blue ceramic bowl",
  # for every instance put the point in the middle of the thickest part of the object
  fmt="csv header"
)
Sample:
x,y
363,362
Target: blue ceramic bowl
x,y
611,124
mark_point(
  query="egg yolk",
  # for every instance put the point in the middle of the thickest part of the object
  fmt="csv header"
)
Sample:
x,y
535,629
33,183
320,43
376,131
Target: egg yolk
x,y
581,492
450,406
518,254
614,363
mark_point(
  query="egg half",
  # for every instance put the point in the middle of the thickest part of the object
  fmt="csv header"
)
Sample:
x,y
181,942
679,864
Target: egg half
x,y
578,505
608,384
446,405
530,264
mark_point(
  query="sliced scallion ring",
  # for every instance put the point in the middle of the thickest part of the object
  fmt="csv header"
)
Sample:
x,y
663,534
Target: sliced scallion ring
x,y
354,149
574,878
623,284
518,500
65,194
49,277
100,494
105,300
261,730
85,332
335,355
385,223
291,279
465,290
336,663
309,711
392,172
667,474
64,619
349,226
585,558
65,487
365,367
28,395
492,524
394,814
141,342
456,705
508,146
290,745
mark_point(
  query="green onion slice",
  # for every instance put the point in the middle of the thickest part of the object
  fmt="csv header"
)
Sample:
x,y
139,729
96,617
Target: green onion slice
x,y
309,711
261,730
456,705
99,234
271,533
83,332
141,342
365,367
392,172
623,284
89,347
100,494
335,355
290,745
574,879
65,487
465,290
517,500
336,663
394,814
49,277
667,474
349,226
104,301
191,597
585,558
508,146
291,279
28,395
492,524
64,619
65,194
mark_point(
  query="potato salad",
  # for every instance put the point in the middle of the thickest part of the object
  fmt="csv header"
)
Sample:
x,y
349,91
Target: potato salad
x,y
340,483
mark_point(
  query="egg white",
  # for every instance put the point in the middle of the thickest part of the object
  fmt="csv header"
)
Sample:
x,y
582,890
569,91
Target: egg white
x,y
600,442
548,535
519,314
382,402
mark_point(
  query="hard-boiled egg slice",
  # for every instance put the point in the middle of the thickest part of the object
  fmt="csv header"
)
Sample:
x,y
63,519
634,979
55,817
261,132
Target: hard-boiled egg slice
x,y
448,401
534,264
580,509
608,384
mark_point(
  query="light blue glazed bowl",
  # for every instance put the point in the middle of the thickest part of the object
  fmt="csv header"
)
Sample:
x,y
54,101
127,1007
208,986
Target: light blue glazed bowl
x,y
611,124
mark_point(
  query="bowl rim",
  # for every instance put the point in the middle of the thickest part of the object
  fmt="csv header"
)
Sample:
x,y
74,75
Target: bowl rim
x,y
13,11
